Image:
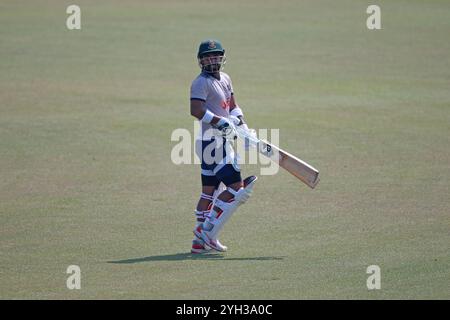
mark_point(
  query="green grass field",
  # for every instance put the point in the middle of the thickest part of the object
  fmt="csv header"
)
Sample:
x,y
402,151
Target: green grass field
x,y
86,177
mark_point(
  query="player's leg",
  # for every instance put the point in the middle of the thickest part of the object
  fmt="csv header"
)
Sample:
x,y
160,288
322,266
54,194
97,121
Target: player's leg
x,y
209,185
206,201
236,193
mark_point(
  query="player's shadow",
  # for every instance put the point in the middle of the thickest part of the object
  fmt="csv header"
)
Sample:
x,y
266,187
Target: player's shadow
x,y
189,256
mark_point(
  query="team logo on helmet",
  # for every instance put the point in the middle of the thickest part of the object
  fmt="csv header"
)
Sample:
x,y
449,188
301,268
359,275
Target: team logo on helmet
x,y
211,45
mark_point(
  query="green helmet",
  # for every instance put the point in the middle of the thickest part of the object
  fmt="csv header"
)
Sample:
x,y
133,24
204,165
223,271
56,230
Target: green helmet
x,y
209,46
211,56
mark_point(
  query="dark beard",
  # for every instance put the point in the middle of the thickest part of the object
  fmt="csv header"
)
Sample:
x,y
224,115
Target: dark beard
x,y
212,68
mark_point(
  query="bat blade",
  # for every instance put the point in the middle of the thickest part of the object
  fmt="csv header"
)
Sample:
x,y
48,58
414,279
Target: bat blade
x,y
295,166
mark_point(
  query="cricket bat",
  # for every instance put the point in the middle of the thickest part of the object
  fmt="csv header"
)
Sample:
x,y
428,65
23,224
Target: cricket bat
x,y
295,166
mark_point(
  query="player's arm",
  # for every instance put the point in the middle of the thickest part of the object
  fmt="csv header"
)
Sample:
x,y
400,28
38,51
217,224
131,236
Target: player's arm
x,y
199,111
199,93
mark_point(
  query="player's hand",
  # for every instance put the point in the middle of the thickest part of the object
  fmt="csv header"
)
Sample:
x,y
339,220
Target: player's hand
x,y
248,135
226,127
235,120
223,123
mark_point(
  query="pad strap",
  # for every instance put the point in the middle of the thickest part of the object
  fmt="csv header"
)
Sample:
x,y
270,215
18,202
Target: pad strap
x,y
242,195
201,215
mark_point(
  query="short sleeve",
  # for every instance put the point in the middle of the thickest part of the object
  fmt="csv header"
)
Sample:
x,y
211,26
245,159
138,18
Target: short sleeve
x,y
199,89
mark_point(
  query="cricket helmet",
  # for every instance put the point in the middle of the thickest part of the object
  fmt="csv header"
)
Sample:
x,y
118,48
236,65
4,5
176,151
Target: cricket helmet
x,y
211,56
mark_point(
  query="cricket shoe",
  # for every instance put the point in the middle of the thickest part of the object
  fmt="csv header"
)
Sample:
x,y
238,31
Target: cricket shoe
x,y
198,246
212,243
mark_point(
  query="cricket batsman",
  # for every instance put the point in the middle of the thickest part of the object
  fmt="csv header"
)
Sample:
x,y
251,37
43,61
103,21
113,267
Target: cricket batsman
x,y
214,105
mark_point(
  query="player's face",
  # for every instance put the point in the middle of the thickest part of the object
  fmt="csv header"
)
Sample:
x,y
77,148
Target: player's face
x,y
212,62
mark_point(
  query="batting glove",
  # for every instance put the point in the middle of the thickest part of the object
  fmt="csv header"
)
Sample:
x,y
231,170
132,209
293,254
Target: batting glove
x,y
226,127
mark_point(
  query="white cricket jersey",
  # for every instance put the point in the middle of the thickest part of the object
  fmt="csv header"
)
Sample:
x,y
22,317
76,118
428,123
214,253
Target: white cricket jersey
x,y
215,93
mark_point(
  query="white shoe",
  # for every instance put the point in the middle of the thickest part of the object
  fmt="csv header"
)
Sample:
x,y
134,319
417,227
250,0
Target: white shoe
x,y
212,243
198,247
217,245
